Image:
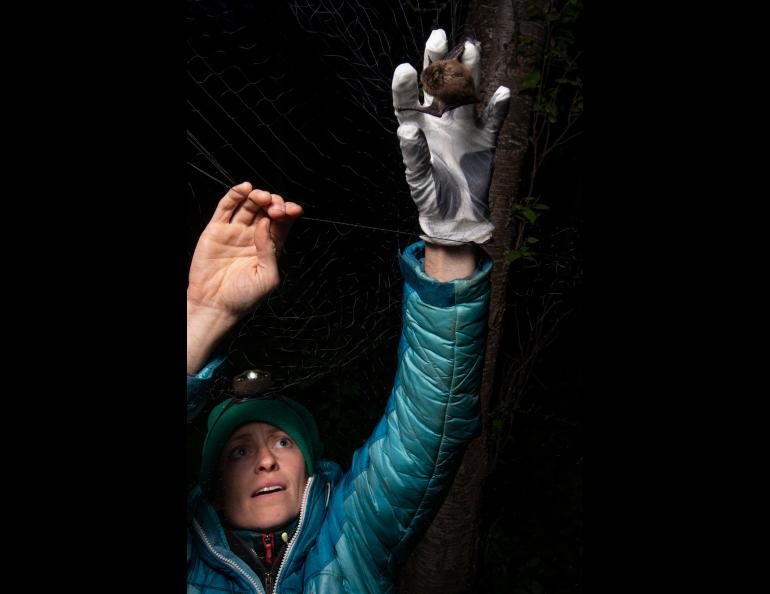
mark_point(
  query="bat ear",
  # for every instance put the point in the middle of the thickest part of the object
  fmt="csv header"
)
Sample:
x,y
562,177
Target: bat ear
x,y
456,53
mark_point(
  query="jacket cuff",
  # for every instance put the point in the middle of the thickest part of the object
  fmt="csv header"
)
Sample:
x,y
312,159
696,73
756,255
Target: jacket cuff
x,y
435,292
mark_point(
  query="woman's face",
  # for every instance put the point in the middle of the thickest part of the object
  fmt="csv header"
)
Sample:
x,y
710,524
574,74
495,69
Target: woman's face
x,y
263,477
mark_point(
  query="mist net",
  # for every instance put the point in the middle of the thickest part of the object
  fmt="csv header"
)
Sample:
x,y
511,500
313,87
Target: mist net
x,y
295,97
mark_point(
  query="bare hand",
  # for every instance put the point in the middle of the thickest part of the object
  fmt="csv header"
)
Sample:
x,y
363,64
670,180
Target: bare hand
x,y
235,261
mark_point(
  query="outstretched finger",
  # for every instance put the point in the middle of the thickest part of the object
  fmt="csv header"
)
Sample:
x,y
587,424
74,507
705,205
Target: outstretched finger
x,y
280,210
470,58
227,205
435,48
294,210
405,91
496,110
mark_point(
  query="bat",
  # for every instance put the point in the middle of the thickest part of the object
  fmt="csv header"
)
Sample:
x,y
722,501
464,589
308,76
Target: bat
x,y
449,81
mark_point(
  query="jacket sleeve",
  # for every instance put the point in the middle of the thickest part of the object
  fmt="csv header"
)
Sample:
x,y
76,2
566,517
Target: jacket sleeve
x,y
198,387
399,476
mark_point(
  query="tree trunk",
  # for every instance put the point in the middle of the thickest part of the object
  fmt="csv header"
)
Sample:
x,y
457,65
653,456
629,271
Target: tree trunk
x,y
446,561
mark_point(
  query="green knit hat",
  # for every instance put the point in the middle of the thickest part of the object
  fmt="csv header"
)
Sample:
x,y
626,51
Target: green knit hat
x,y
286,414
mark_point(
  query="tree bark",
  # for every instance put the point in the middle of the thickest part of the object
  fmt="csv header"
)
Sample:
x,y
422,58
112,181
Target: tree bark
x,y
447,559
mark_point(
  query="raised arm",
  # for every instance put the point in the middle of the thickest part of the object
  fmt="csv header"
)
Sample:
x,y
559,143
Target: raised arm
x,y
400,475
234,267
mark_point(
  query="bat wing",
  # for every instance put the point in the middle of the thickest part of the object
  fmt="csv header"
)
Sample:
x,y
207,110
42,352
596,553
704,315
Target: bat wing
x,y
437,108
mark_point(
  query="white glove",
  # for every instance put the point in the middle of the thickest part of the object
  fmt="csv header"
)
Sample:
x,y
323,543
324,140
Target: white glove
x,y
449,159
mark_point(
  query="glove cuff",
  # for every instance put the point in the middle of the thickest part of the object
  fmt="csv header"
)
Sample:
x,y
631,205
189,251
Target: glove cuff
x,y
456,232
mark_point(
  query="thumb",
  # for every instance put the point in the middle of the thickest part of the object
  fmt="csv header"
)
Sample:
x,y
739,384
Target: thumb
x,y
414,150
496,110
263,240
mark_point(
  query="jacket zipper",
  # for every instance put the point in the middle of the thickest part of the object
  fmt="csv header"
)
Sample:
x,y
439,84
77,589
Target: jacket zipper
x,y
267,542
224,559
296,532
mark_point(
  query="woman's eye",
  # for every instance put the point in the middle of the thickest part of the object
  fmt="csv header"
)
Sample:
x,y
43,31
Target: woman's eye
x,y
238,452
284,442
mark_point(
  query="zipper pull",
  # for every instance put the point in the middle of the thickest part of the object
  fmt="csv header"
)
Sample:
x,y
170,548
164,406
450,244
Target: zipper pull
x,y
268,582
267,542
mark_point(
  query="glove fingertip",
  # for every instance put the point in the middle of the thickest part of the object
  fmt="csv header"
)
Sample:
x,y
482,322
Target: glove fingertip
x,y
403,76
497,108
501,97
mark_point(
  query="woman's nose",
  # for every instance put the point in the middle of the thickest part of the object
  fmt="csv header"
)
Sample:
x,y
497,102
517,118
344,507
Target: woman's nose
x,y
266,460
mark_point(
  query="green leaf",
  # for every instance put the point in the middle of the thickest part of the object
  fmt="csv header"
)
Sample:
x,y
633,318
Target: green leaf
x,y
530,80
530,214
512,256
542,207
531,240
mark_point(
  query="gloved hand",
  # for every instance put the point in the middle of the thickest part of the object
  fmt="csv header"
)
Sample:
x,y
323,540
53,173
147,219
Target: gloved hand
x,y
449,159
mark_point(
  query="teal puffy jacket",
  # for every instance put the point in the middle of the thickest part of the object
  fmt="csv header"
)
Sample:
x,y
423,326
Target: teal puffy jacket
x,y
356,528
